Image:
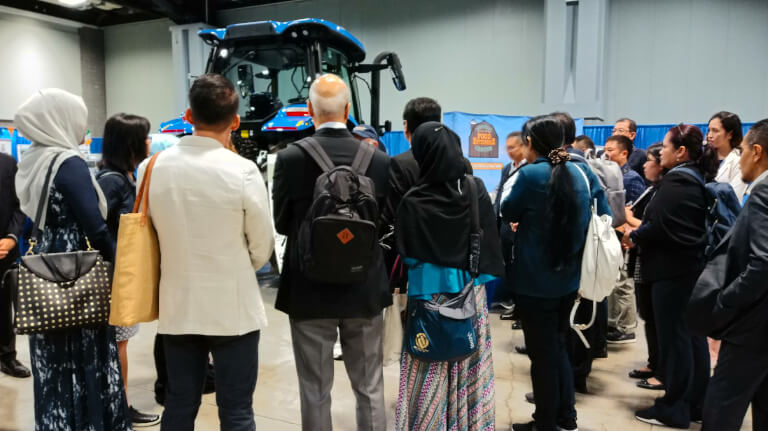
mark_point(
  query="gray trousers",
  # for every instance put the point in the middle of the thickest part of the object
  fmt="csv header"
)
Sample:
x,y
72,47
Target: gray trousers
x,y
361,344
622,308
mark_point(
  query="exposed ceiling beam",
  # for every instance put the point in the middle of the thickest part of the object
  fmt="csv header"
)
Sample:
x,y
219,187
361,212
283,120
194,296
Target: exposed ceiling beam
x,y
179,14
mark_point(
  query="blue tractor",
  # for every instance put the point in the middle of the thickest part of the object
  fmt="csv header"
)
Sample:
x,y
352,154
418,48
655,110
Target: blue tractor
x,y
272,65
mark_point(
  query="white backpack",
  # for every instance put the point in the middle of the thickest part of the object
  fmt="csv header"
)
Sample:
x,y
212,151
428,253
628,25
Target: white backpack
x,y
600,263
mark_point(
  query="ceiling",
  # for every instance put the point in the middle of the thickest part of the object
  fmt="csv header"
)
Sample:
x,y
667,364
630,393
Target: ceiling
x,y
102,13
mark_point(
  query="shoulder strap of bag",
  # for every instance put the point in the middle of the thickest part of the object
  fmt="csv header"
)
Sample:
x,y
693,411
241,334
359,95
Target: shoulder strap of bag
x,y
363,158
142,200
35,234
475,234
316,152
586,180
692,173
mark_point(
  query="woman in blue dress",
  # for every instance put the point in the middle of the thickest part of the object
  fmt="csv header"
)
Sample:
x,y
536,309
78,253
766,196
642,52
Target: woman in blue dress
x,y
77,381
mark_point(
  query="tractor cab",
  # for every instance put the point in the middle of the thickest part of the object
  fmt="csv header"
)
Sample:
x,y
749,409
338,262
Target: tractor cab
x,y
272,65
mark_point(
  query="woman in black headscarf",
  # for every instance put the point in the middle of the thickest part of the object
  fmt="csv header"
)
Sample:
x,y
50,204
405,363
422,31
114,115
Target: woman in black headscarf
x,y
433,227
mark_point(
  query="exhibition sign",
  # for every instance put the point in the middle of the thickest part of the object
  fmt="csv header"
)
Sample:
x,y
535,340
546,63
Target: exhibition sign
x,y
483,141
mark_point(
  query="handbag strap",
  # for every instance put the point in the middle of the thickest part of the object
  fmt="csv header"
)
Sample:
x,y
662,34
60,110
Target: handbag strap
x,y
144,188
36,228
475,234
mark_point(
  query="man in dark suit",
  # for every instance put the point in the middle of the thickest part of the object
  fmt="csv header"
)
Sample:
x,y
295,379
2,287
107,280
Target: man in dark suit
x,y
741,375
11,225
514,145
318,310
403,169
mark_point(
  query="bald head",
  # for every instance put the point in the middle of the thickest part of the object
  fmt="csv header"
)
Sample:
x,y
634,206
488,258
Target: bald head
x,y
329,100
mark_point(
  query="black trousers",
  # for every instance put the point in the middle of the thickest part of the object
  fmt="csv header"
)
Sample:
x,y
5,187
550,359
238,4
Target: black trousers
x,y
236,360
645,309
581,357
545,327
601,328
684,358
741,377
7,336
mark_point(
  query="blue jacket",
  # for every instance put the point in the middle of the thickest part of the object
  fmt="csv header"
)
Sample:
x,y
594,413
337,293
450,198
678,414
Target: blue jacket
x,y
532,271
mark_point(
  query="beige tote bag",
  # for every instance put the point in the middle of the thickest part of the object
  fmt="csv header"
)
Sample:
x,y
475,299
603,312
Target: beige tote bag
x,y
136,278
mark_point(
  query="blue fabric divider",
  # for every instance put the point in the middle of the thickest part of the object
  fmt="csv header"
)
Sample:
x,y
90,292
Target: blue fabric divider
x,y
16,140
395,143
647,135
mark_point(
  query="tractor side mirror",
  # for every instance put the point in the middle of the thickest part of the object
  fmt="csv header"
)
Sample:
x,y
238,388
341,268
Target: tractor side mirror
x,y
398,78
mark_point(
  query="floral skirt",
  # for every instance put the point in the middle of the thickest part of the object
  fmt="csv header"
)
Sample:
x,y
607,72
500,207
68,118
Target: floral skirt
x,y
449,396
77,381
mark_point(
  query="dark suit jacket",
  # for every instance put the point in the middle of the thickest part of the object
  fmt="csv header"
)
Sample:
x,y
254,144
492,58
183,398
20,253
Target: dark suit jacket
x,y
11,217
746,270
293,186
403,173
672,237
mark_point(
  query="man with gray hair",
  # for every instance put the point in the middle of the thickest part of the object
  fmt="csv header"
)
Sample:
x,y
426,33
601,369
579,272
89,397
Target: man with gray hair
x,y
317,310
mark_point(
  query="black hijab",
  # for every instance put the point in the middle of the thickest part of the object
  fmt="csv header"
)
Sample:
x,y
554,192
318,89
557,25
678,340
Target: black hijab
x,y
433,220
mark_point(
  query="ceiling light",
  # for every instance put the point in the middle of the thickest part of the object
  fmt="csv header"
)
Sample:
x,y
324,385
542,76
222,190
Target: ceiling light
x,y
73,3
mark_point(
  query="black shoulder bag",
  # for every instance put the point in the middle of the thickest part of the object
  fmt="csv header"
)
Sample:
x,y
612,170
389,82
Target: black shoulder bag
x,y
444,330
58,291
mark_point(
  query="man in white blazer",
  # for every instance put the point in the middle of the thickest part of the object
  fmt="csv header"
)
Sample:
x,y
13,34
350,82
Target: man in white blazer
x,y
211,212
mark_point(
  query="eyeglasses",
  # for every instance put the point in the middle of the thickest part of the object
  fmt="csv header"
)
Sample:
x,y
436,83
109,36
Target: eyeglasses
x,y
617,130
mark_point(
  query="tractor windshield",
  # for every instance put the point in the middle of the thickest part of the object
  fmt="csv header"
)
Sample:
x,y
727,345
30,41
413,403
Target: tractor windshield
x,y
268,78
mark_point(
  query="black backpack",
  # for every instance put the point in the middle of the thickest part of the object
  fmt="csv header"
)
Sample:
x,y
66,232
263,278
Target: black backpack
x,y
338,237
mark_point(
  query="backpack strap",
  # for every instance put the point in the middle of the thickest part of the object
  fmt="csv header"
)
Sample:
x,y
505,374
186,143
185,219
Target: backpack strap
x,y
316,152
363,158
692,173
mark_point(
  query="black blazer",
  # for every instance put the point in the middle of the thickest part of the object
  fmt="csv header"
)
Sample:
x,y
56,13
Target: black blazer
x,y
745,294
11,217
293,185
672,237
403,173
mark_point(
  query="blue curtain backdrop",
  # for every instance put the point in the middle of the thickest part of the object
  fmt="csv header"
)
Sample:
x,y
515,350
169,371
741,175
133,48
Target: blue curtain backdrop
x,y
646,135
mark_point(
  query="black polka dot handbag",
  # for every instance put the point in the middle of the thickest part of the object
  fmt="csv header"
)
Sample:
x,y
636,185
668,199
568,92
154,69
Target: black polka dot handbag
x,y
57,291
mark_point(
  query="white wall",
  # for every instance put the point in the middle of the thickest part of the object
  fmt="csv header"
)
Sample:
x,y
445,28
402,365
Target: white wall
x,y
684,60
484,56
35,55
139,70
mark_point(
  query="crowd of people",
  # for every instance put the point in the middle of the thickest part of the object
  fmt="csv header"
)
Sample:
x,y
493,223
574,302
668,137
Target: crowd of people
x,y
214,222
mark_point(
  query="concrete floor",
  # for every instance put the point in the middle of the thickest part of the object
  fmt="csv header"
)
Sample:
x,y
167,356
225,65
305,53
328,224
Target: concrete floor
x,y
610,406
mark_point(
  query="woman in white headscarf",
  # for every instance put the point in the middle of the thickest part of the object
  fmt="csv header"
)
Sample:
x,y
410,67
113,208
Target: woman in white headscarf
x,y
77,380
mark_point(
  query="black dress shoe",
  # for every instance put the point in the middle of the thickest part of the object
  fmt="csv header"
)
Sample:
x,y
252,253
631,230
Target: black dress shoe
x,y
645,385
580,386
601,354
640,374
521,350
13,368
530,398
140,420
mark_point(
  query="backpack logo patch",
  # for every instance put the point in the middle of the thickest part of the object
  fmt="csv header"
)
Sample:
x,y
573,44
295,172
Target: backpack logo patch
x,y
345,236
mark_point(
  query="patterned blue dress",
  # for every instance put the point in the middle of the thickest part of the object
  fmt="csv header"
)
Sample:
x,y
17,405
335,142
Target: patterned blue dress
x,y
77,380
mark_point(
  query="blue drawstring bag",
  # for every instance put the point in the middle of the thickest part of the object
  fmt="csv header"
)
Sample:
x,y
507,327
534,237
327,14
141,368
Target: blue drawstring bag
x,y
443,329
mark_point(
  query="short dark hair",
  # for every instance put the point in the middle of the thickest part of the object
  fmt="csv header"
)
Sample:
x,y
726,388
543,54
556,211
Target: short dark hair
x,y
731,123
758,135
213,100
515,135
632,124
568,125
587,140
421,110
125,142
624,142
